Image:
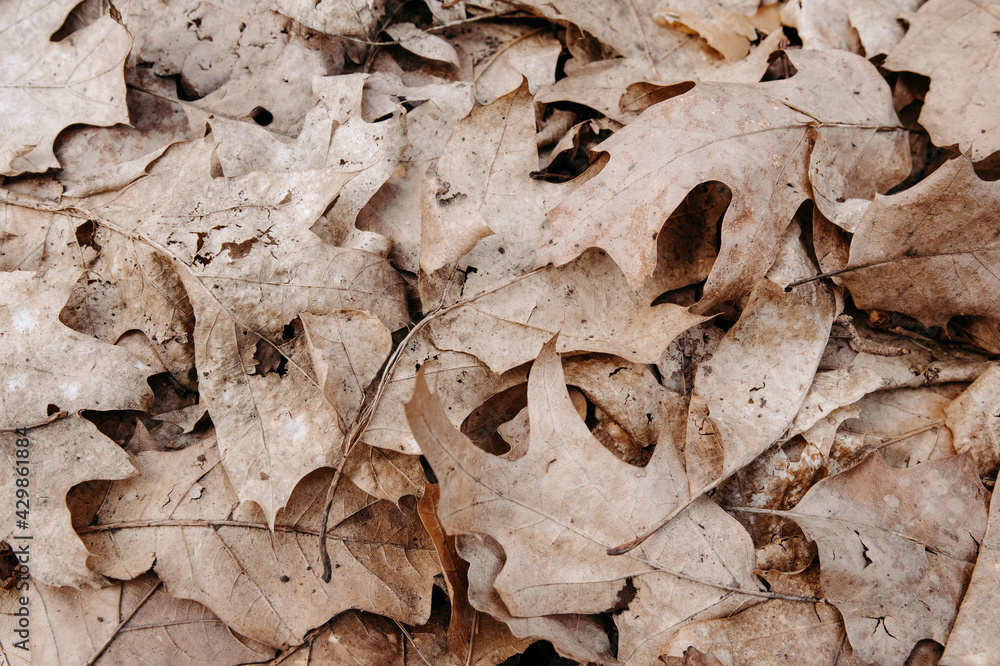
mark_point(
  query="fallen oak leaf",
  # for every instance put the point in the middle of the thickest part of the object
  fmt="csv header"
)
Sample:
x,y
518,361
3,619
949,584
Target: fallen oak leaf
x,y
963,73
555,511
182,511
588,302
250,266
896,547
968,643
756,138
133,622
75,80
930,251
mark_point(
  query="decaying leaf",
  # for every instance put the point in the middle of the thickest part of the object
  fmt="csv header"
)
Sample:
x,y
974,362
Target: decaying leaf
x,y
897,548
587,302
968,643
182,512
770,632
51,84
133,622
964,73
749,393
761,147
974,421
930,251
555,529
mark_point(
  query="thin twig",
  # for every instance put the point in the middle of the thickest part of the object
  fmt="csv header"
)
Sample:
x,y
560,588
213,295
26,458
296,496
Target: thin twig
x,y
126,620
55,417
907,435
472,636
410,638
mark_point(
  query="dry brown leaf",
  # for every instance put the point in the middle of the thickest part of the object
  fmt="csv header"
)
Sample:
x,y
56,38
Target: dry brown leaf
x,y
359,639
51,84
608,86
974,421
352,17
60,455
182,511
422,44
932,250
965,75
480,205
728,32
868,27
70,371
556,510
756,139
468,630
251,266
579,637
393,210
748,394
772,632
335,134
897,548
971,642
132,622
587,302
348,349
461,381
527,54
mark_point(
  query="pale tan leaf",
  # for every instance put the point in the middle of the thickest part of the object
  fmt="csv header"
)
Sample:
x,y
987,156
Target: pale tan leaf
x,y
351,17
335,135
58,456
897,549
251,266
974,421
348,349
461,381
869,27
971,643
964,72
392,211
931,251
556,510
753,138
70,370
587,302
263,584
51,84
530,57
423,44
579,637
605,85
728,32
769,633
132,622
749,393
481,184
485,635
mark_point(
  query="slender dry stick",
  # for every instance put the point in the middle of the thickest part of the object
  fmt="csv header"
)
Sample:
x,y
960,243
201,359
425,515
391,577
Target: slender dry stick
x,y
50,419
472,636
121,625
410,638
907,435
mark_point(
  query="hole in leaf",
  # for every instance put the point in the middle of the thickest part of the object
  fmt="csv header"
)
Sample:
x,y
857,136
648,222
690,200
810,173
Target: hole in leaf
x,y
482,424
261,116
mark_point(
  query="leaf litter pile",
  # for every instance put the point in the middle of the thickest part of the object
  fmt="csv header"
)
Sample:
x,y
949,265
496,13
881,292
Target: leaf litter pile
x,y
521,332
